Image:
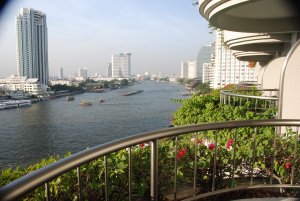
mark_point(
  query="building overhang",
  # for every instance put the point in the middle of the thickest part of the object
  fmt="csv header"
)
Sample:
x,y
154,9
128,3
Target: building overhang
x,y
253,56
256,41
252,15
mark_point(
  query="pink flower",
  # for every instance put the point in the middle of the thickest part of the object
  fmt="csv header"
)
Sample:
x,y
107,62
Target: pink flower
x,y
142,145
228,144
181,153
200,141
211,146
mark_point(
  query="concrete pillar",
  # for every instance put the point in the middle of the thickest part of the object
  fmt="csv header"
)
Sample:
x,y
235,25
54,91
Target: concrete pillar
x,y
271,75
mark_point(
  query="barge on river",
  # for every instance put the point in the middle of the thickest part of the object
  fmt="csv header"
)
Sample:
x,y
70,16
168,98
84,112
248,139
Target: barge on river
x,y
130,93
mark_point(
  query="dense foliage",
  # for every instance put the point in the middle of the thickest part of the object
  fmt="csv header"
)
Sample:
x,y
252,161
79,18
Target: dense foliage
x,y
231,165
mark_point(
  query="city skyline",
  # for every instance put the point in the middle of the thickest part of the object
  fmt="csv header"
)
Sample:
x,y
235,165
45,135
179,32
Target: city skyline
x,y
160,34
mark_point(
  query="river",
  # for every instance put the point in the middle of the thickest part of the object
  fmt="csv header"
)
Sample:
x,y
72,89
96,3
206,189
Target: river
x,y
58,126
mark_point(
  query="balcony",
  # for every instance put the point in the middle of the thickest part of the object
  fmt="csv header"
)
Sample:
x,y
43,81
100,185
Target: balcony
x,y
262,16
225,160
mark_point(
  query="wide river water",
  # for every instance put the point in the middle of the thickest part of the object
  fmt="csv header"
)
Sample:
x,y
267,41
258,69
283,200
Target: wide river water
x,y
58,126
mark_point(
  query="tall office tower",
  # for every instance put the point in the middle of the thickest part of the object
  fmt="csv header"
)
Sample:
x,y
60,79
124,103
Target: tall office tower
x,y
184,69
121,65
60,73
109,70
82,72
32,44
207,73
204,56
189,69
227,69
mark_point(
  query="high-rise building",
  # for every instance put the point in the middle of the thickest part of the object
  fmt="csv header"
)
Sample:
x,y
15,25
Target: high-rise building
x,y
32,44
204,56
227,69
121,65
82,72
109,70
189,69
60,73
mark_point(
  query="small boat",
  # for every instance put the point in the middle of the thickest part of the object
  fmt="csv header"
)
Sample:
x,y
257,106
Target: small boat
x,y
101,100
130,93
70,98
86,103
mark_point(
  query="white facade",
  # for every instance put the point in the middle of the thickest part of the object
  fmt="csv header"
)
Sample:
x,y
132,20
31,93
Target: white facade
x,y
30,85
189,69
82,73
32,45
227,69
61,82
121,65
207,73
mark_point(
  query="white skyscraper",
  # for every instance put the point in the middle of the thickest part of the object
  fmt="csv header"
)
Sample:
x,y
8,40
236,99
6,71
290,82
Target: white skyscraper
x,y
189,69
60,73
82,72
32,44
121,65
227,69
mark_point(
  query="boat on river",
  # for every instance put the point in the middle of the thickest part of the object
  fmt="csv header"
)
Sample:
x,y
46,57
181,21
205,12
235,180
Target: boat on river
x,y
101,100
14,104
130,93
70,98
86,103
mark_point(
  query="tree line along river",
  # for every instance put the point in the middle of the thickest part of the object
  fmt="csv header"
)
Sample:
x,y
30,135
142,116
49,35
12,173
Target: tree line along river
x,y
57,126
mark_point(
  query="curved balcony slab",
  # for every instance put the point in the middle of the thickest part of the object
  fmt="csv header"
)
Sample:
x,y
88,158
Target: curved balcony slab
x,y
255,41
251,15
253,56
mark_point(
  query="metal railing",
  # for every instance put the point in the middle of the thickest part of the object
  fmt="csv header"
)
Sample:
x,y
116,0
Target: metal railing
x,y
266,99
253,128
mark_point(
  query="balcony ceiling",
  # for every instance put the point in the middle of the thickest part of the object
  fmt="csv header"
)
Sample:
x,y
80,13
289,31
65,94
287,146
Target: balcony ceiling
x,y
256,41
253,56
252,15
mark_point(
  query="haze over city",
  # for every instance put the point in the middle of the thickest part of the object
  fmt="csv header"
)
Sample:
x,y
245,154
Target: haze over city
x,y
159,34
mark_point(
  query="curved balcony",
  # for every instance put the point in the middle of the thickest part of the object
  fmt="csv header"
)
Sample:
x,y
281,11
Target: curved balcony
x,y
251,159
255,41
261,99
262,16
253,56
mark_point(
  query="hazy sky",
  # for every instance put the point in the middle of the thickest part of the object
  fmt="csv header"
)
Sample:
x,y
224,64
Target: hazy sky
x,y
85,33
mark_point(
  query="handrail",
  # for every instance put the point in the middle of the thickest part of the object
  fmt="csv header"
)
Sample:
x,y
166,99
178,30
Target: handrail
x,y
37,178
234,94
230,96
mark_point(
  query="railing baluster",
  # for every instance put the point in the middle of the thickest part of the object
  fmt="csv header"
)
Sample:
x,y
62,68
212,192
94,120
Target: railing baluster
x,y
47,191
79,184
215,162
195,163
255,104
234,154
295,154
253,155
274,153
129,175
175,172
229,100
240,101
154,170
106,178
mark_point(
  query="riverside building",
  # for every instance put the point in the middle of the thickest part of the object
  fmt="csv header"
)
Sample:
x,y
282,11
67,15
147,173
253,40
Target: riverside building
x,y
204,56
189,69
227,69
32,45
121,65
